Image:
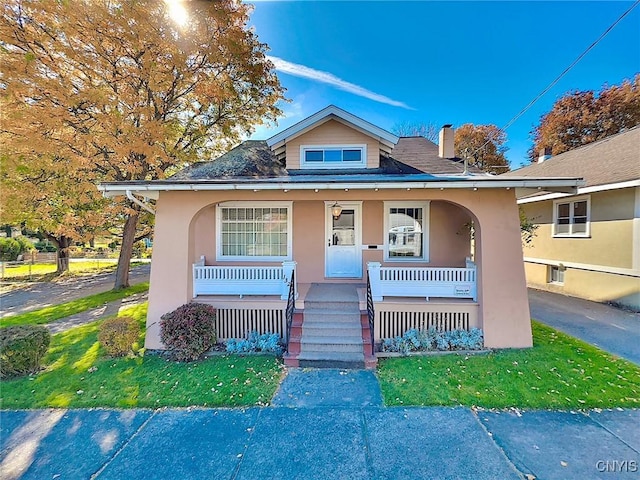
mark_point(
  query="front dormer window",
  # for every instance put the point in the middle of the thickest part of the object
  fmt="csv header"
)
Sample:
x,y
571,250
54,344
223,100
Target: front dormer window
x,y
333,156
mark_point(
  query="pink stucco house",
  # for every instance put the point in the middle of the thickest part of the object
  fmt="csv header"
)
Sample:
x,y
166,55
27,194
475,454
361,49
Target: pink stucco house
x,y
336,233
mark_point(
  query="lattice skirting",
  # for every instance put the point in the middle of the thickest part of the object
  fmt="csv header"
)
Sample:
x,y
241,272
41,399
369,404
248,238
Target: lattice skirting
x,y
392,323
237,323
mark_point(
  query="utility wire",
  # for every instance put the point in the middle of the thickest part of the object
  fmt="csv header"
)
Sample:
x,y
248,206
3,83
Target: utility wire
x,y
557,79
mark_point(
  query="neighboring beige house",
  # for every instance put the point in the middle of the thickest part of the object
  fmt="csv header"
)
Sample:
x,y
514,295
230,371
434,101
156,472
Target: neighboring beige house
x,y
588,244
282,235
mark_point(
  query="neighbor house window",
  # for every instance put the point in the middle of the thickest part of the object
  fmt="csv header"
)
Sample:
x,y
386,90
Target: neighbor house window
x,y
343,156
249,232
556,275
571,218
406,227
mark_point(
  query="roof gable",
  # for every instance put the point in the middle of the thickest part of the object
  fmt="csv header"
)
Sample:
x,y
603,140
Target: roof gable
x,y
335,113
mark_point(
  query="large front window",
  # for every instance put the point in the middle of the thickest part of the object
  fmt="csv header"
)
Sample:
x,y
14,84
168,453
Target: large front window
x,y
254,232
571,219
334,156
406,231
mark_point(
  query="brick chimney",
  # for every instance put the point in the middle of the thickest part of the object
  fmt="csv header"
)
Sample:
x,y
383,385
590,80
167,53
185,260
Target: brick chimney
x,y
445,142
545,154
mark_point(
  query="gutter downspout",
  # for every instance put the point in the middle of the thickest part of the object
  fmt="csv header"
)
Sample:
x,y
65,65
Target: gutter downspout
x,y
137,201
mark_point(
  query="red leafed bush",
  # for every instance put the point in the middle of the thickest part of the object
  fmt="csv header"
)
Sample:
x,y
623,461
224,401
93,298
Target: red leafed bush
x,y
189,331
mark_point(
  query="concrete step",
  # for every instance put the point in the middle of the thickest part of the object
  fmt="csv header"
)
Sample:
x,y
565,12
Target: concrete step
x,y
342,360
328,316
330,329
330,347
336,356
335,306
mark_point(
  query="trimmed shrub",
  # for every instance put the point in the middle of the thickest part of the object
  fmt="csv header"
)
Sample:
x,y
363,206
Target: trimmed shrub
x,y
189,331
22,348
267,342
117,335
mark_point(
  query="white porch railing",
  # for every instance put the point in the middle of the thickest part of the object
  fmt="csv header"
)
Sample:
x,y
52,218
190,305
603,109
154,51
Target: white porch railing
x,y
422,282
233,280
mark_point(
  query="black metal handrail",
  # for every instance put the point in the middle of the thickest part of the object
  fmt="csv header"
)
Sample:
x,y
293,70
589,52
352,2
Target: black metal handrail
x,y
291,304
372,315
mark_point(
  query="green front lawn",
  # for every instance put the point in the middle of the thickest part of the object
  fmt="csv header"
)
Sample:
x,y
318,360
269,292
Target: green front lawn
x,y
73,307
78,375
559,372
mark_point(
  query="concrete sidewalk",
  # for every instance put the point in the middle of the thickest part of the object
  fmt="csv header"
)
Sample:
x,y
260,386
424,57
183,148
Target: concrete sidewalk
x,y
318,443
324,424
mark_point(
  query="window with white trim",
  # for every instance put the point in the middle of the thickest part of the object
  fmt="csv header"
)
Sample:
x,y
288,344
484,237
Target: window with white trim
x,y
571,218
333,156
254,233
406,231
556,274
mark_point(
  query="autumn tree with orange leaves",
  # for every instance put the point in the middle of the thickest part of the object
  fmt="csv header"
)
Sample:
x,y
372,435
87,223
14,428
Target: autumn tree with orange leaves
x,y
118,91
583,117
483,146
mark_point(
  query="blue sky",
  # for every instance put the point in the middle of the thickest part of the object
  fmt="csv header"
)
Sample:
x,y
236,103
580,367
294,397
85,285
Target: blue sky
x,y
443,62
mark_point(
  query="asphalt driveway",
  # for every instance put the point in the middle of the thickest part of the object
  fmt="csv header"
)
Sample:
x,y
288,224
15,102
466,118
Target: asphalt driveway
x,y
614,330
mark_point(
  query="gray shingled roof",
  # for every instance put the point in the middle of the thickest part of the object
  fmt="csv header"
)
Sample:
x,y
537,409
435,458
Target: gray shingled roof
x,y
614,159
254,159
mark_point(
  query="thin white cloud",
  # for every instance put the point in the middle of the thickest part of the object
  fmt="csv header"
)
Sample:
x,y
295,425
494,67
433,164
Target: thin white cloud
x,y
302,71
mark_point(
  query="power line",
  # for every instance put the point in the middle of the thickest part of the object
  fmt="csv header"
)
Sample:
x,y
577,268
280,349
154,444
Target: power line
x,y
557,79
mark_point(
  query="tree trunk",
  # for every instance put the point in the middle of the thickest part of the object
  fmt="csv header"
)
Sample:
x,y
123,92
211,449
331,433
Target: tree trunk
x,y
63,254
126,249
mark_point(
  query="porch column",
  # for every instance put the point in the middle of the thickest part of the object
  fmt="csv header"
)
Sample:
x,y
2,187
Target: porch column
x,y
373,269
289,267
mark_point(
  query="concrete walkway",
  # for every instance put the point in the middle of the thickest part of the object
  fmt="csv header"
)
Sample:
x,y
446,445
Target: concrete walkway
x,y
344,434
612,329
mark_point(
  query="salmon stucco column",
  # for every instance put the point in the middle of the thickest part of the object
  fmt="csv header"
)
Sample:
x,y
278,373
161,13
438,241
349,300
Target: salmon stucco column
x,y
171,265
502,292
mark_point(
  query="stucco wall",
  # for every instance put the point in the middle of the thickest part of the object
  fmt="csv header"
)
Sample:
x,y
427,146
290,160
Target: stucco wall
x,y
594,286
185,230
611,237
332,132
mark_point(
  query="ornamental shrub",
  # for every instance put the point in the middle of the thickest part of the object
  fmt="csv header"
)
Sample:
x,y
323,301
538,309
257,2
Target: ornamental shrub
x,y
21,349
189,331
267,342
415,340
117,335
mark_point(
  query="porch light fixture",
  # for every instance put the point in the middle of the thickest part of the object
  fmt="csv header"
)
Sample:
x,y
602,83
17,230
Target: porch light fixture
x,y
336,210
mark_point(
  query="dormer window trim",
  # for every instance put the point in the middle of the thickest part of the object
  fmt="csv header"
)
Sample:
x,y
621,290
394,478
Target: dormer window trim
x,y
333,156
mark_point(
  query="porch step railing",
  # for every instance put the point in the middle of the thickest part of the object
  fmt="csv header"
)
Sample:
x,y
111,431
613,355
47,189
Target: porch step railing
x,y
422,282
245,280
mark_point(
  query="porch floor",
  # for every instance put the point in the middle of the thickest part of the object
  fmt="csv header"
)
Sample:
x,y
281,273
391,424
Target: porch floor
x,y
326,292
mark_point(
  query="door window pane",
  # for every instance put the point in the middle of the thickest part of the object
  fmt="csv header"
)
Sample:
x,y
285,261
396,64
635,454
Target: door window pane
x,y
343,232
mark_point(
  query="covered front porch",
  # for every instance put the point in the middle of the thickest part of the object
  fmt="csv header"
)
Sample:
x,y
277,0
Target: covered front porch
x,y
258,298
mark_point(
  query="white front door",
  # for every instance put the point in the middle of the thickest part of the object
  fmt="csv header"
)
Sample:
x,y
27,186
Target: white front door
x,y
343,257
